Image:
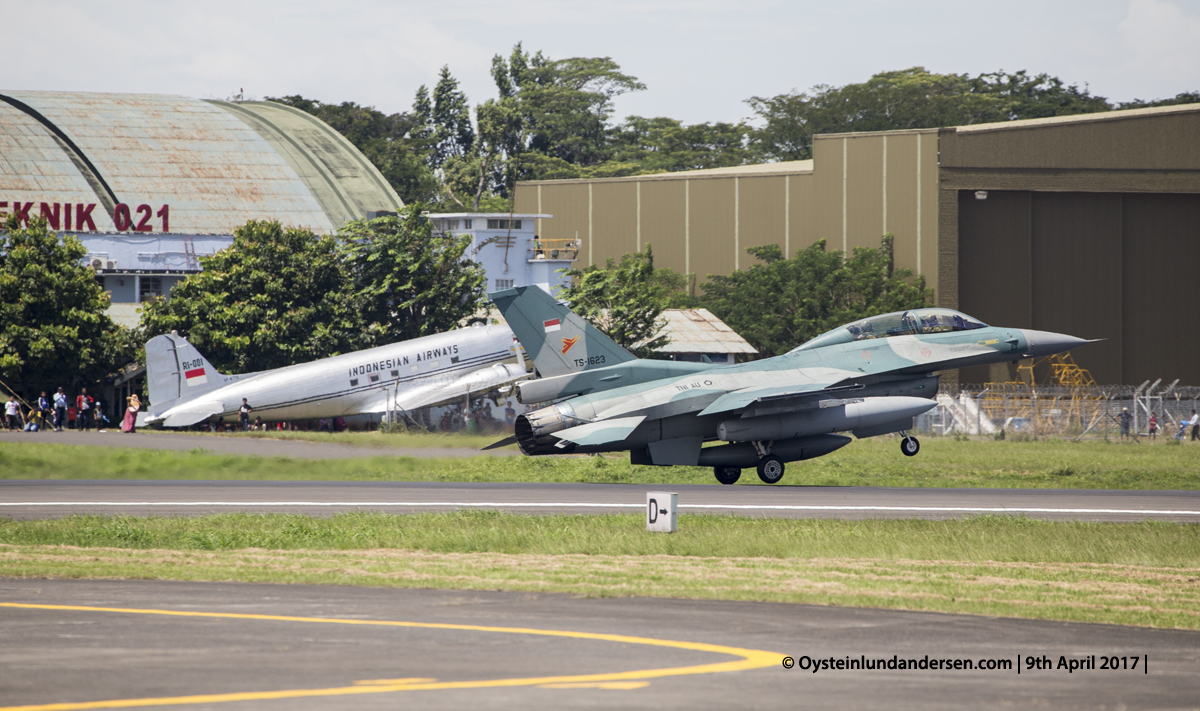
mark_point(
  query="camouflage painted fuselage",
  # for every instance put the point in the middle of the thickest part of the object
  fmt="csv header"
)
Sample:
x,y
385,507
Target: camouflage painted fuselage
x,y
871,377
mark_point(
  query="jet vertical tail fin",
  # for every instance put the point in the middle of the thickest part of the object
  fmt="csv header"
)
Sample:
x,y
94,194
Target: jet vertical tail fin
x,y
558,339
175,370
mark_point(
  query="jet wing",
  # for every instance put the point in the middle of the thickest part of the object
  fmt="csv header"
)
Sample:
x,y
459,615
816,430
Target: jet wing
x,y
778,398
445,391
601,432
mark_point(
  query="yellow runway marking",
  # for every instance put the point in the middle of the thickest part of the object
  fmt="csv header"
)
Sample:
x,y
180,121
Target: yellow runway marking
x,y
597,685
750,659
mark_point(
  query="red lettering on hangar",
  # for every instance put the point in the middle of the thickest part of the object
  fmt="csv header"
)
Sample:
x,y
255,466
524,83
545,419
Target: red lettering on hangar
x,y
59,216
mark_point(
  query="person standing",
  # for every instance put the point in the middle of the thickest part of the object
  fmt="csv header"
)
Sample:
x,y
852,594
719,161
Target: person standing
x,y
43,408
1153,429
12,414
60,410
83,410
1195,423
129,423
244,414
1125,421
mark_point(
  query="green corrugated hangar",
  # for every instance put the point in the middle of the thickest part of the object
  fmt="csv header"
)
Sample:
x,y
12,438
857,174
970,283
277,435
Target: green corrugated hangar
x,y
1088,225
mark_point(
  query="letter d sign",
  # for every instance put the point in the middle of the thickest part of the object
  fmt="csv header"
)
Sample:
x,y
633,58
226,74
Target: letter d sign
x,y
661,511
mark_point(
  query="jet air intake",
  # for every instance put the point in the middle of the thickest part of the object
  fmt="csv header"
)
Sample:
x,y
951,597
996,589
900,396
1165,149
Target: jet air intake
x,y
867,417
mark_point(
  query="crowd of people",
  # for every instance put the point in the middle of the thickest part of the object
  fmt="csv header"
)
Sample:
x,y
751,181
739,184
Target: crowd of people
x,y
85,412
1125,420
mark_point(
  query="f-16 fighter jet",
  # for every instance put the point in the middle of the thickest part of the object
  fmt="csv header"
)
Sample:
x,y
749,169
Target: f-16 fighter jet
x,y
870,377
434,370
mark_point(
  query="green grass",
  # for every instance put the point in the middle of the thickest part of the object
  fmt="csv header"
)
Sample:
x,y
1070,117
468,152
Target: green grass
x,y
1139,573
943,462
411,440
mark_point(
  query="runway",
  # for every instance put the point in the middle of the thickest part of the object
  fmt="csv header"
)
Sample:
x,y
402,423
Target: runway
x,y
32,499
208,645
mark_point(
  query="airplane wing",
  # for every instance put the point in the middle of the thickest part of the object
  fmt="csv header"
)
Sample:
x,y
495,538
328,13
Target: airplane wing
x,y
778,398
600,432
442,392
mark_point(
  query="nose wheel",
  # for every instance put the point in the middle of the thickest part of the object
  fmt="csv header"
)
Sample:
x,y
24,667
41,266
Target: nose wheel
x,y
770,469
909,445
727,475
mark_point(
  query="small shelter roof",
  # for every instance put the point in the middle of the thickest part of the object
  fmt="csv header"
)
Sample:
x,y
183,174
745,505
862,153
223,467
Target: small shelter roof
x,y
699,331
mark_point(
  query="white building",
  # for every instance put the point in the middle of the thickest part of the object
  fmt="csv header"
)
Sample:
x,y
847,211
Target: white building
x,y
509,249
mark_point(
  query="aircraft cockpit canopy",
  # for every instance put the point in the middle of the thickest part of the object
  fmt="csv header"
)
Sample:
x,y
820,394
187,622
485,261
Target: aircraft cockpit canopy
x,y
900,323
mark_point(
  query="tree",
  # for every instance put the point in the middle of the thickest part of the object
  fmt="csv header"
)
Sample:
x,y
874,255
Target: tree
x,y
625,300
1187,97
453,134
911,98
53,327
563,106
654,145
406,283
1026,97
781,303
275,297
472,177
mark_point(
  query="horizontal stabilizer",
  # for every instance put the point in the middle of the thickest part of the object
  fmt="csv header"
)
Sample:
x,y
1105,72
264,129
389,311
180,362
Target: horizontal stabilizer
x,y
192,412
502,443
601,432
438,393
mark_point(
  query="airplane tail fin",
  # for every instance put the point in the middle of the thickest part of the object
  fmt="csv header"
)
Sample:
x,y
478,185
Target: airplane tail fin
x,y
176,370
558,339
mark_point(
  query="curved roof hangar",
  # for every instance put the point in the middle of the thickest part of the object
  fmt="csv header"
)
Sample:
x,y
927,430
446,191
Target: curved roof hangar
x,y
213,165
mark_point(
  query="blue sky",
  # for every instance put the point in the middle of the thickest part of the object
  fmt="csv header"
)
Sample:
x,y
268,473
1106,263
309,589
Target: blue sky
x,y
700,59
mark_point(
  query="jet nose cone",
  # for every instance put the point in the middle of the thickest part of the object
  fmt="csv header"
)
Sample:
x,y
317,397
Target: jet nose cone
x,y
1044,343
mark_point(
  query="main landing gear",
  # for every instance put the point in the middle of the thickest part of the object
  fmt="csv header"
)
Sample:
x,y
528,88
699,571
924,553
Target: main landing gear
x,y
770,469
909,445
727,475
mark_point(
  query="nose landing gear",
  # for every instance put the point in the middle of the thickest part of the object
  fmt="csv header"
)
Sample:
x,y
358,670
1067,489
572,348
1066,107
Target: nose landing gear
x,y
909,445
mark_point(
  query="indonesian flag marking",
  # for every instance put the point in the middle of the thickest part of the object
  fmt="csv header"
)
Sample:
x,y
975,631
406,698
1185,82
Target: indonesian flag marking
x,y
195,377
552,325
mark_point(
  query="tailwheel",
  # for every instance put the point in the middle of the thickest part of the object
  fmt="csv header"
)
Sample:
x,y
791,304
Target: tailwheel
x,y
910,446
770,469
727,475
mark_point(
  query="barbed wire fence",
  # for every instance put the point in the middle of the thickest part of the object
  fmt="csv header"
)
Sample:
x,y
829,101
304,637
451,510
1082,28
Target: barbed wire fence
x,y
1007,409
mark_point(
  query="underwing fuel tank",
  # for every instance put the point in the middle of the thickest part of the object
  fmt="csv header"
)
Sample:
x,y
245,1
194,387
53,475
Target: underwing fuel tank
x,y
744,454
866,415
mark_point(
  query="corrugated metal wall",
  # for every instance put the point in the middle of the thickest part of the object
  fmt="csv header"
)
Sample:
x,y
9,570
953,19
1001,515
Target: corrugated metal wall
x,y
1096,265
858,187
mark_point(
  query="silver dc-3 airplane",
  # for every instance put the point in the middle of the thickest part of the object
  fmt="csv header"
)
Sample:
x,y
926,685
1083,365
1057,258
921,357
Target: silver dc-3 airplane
x,y
424,372
870,377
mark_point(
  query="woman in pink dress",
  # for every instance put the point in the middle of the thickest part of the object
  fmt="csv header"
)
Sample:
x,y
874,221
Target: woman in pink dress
x,y
130,422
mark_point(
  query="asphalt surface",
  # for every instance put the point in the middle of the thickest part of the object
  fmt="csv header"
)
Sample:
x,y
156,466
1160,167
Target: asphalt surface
x,y
234,444
74,656
33,499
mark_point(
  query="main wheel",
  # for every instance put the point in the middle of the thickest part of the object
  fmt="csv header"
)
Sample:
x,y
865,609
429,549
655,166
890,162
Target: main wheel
x,y
727,475
910,446
770,469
